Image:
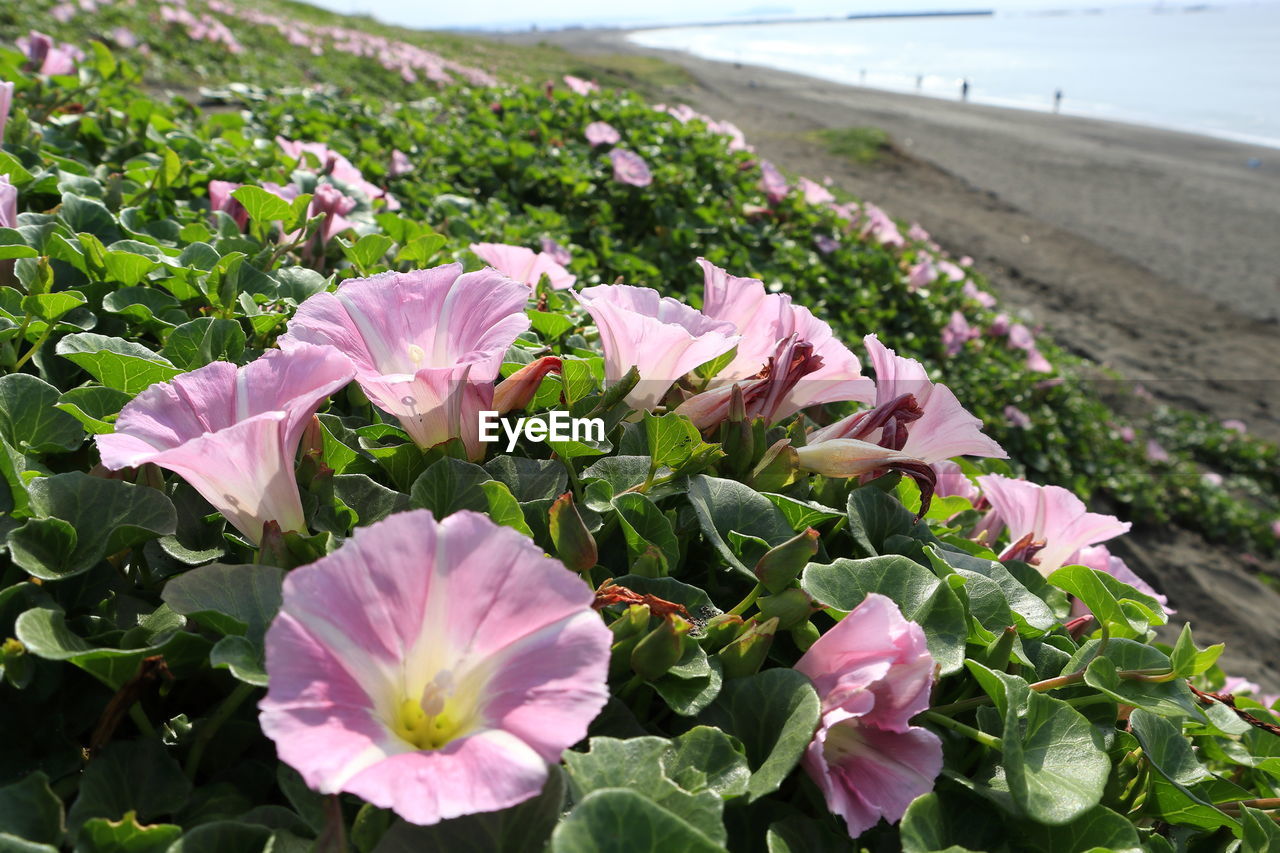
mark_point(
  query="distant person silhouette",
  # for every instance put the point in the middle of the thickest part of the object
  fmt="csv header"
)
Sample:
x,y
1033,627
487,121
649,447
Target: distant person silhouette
x,y
919,82
1057,100
964,91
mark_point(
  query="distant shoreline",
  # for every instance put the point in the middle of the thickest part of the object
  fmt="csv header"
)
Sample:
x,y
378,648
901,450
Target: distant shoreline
x,y
852,16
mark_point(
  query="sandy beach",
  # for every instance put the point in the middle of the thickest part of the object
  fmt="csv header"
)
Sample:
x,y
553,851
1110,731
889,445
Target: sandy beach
x,y
1152,252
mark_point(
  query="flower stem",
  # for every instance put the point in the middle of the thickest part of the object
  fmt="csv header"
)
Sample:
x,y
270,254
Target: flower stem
x,y
981,737
210,728
741,606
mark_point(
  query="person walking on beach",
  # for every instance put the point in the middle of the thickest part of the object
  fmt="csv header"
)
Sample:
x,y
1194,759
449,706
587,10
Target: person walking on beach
x,y
964,90
1057,100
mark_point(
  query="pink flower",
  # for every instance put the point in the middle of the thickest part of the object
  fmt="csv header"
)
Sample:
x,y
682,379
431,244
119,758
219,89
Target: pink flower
x,y
1020,337
920,419
986,300
630,168
1213,478
772,183
957,333
220,198
1037,362
763,397
1235,684
917,234
8,203
999,326
764,319
46,57
435,668
602,133
952,482
921,274
1016,417
6,103
881,228
336,166
950,270
330,202
826,244
662,338
124,37
427,344
556,252
1156,453
1232,424
815,193
1275,528
232,433
873,673
524,265
580,86
1047,524
400,164
1127,434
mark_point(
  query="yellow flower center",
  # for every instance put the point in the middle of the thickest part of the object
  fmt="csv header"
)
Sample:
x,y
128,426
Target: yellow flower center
x,y
430,731
416,354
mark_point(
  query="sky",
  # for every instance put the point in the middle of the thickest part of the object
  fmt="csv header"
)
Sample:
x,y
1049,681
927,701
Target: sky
x,y
520,14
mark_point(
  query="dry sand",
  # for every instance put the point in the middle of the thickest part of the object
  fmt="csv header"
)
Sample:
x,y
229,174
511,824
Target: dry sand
x,y
1152,252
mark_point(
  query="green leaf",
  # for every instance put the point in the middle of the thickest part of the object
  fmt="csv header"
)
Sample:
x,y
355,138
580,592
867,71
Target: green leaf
x,y
420,249
245,659
130,776
515,830
369,500
204,340
647,531
368,250
264,207
88,215
619,820
449,485
874,516
672,439
1054,761
1025,609
692,683
1125,610
232,599
708,759
1169,698
1178,798
503,508
30,810
549,326
144,305
50,307
94,406
919,594
725,506
1261,835
774,714
1097,829
92,518
128,268
222,836
30,421
115,362
100,835
530,479
958,821
802,514
637,764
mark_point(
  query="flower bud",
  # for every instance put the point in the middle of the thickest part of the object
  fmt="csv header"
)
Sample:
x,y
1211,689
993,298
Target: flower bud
x,y
744,655
628,629
661,649
805,635
575,545
790,607
518,389
783,563
777,468
720,631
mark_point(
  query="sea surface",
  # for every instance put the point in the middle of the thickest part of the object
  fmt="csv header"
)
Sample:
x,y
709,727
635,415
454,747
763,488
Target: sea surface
x,y
1213,70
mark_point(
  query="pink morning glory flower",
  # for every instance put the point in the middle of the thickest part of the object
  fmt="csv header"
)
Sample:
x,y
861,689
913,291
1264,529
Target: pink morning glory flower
x,y
764,320
826,244
435,668
952,482
46,57
338,167
556,252
220,198
630,168
1047,524
1037,362
957,333
6,103
1016,417
917,233
662,338
921,274
400,164
986,300
525,265
765,396
772,183
936,426
814,192
427,344
602,133
580,86
873,673
1156,452
879,226
1235,425
8,203
232,433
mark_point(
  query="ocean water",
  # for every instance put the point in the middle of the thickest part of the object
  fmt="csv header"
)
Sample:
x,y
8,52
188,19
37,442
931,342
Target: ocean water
x,y
1213,70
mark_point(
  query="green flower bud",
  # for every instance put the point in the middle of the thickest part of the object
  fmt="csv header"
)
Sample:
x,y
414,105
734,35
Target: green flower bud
x,y
720,631
783,563
575,545
661,649
744,655
805,635
791,607
777,469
